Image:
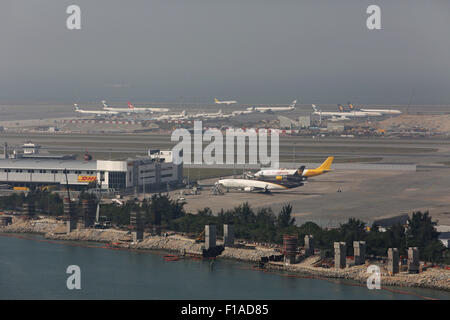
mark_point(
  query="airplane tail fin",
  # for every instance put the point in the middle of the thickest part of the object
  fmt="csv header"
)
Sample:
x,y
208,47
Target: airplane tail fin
x,y
216,101
76,106
105,105
293,104
130,106
350,106
326,165
341,108
315,107
299,171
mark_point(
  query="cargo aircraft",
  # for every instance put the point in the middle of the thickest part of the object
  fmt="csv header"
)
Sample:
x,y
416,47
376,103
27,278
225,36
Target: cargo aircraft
x,y
306,173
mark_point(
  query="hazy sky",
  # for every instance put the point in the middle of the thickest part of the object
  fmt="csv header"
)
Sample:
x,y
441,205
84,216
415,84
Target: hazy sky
x,y
255,51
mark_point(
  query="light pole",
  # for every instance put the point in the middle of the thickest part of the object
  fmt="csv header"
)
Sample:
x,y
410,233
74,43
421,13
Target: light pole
x,y
143,186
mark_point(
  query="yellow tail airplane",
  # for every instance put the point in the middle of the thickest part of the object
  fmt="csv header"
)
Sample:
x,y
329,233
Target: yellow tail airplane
x,y
323,168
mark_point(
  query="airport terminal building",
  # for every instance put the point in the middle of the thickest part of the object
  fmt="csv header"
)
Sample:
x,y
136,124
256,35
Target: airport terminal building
x,y
31,169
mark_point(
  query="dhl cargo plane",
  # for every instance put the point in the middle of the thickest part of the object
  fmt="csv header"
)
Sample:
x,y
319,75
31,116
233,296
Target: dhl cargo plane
x,y
323,168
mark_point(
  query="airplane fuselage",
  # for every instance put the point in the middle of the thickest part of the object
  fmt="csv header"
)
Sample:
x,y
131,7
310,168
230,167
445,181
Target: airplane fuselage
x,y
260,185
225,102
382,111
350,114
270,109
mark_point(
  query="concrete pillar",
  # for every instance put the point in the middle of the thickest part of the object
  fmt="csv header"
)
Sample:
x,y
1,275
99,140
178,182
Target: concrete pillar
x,y
71,217
309,245
87,213
210,236
228,235
138,236
138,226
393,260
156,230
289,248
359,249
28,210
340,255
413,260
5,221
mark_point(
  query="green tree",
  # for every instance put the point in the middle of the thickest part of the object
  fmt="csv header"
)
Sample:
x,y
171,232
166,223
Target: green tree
x,y
353,230
421,233
285,219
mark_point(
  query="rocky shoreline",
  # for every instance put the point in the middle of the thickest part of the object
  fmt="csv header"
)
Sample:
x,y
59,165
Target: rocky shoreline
x,y
431,278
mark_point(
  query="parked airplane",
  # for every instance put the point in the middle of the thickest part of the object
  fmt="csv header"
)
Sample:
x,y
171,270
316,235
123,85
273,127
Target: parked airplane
x,y
343,115
381,111
132,109
216,101
273,109
119,110
96,112
359,112
180,116
265,185
216,115
240,112
147,109
323,168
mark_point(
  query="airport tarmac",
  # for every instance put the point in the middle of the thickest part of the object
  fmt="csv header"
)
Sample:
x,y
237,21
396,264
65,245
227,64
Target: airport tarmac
x,y
367,195
292,148
42,111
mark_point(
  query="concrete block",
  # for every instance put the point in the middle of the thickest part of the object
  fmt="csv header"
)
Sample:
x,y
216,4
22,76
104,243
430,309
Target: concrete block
x,y
210,236
393,260
228,235
340,255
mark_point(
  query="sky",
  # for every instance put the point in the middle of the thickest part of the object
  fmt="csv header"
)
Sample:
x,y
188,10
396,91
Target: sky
x,y
254,51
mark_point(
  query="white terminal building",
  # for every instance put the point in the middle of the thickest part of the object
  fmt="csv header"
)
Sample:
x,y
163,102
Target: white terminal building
x,y
29,168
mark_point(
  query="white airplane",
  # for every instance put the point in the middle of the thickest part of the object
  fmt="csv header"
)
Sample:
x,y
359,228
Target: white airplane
x,y
239,112
359,112
180,116
305,173
205,115
381,111
132,109
199,115
273,109
118,110
216,101
217,115
147,109
343,115
96,112
259,185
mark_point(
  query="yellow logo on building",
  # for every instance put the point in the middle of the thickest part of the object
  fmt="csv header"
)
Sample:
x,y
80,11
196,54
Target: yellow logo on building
x,y
87,178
